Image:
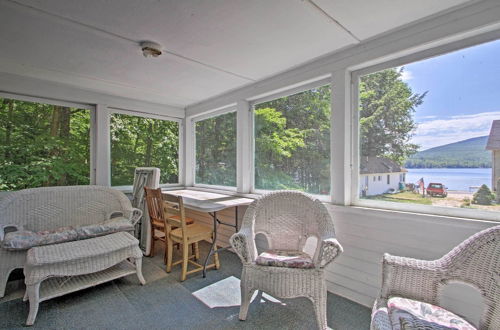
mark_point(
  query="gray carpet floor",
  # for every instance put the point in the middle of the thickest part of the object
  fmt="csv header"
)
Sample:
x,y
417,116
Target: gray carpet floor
x,y
166,303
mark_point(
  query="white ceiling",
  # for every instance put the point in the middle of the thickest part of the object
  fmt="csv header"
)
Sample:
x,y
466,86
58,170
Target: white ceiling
x,y
212,46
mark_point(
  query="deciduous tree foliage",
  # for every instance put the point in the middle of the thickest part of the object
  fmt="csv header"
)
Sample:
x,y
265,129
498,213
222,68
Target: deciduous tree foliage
x,y
49,145
216,150
46,145
143,142
43,145
292,142
386,105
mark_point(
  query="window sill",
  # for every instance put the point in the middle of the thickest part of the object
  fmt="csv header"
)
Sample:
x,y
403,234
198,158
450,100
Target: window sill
x,y
254,195
215,187
436,211
129,189
218,190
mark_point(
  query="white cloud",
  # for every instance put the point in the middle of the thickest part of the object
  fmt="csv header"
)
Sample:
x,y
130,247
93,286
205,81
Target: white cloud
x,y
433,133
406,75
428,117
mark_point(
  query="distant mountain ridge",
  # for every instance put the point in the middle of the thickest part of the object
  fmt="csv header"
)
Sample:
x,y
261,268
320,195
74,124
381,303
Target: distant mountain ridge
x,y
468,153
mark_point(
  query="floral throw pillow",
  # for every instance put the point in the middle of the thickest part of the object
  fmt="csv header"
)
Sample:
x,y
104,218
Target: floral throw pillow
x,y
107,227
406,314
25,239
285,258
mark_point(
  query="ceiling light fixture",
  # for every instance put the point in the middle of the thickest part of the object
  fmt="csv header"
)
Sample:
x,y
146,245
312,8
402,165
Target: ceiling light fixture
x,y
151,49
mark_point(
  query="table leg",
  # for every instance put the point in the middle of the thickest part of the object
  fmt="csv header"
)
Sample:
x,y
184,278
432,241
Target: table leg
x,y
236,218
212,250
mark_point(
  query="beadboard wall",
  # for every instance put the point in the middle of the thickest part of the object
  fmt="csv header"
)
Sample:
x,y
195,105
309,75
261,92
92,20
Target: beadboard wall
x,y
366,234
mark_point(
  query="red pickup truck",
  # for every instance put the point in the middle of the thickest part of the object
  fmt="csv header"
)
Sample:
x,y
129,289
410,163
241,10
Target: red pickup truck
x,y
437,189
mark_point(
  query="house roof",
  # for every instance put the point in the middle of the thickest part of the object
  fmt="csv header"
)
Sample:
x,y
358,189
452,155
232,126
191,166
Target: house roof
x,y
373,164
494,138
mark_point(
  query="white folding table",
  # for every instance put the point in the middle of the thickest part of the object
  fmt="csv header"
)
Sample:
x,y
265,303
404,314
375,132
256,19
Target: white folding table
x,y
211,203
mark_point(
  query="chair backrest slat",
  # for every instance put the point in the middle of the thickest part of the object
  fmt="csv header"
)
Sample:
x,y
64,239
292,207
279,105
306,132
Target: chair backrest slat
x,y
173,208
154,202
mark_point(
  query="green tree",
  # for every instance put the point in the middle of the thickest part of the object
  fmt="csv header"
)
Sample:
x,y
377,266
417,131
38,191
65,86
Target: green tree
x,y
216,150
292,142
275,144
386,108
483,196
143,142
43,145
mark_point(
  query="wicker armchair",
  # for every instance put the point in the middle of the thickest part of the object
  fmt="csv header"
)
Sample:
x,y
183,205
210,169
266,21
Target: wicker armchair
x,y
286,219
476,261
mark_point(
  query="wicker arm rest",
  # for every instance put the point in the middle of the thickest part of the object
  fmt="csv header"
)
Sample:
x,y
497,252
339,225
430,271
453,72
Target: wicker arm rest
x,y
4,229
329,250
411,278
243,244
134,215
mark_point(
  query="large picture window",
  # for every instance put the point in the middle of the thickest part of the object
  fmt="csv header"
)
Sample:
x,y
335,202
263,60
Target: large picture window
x,y
143,142
43,145
216,150
292,142
433,128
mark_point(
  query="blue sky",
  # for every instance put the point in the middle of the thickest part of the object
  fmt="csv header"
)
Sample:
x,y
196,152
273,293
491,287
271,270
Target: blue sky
x,y
463,94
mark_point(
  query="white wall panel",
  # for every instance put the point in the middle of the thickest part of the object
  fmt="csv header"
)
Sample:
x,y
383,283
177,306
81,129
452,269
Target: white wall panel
x,y
366,234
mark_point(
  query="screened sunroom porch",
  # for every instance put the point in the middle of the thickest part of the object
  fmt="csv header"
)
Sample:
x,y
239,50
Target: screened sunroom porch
x,y
363,106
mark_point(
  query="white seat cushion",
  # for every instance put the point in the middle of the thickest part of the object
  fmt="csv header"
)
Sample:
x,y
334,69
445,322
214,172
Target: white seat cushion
x,y
285,258
408,314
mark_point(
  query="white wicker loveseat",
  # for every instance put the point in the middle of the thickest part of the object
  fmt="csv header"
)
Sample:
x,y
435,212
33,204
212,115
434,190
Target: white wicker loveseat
x,y
417,284
287,219
46,209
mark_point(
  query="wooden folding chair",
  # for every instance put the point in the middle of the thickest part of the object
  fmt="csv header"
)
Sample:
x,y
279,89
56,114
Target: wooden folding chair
x,y
157,217
185,235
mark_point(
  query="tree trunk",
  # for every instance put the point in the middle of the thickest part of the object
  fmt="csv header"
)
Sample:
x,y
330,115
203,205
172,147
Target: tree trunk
x,y
200,158
54,125
65,121
149,146
137,136
9,128
64,132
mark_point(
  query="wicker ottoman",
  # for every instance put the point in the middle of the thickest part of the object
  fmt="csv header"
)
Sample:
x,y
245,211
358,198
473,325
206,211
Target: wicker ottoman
x,y
72,266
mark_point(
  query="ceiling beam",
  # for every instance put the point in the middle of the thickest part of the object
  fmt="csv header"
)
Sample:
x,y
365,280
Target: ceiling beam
x,y
332,19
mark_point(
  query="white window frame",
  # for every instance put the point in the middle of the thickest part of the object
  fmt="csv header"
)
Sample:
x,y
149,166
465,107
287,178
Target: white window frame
x,y
287,92
397,62
92,124
215,113
180,147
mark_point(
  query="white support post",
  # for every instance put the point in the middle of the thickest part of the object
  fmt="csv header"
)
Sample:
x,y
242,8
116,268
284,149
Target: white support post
x,y
189,156
341,138
244,147
93,145
102,146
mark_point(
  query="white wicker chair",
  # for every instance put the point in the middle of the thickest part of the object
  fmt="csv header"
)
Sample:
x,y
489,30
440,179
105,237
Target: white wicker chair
x,y
287,219
475,261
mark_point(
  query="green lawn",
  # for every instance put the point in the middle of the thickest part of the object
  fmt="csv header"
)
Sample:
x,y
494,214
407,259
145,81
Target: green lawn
x,y
403,197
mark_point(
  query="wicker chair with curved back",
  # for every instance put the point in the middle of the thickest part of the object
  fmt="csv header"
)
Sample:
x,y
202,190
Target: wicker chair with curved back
x,y
476,262
287,219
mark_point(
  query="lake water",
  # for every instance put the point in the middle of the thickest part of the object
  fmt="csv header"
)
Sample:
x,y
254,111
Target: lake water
x,y
453,178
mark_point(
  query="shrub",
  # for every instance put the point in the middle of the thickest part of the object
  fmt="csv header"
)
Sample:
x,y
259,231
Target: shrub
x,y
465,202
483,196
